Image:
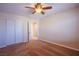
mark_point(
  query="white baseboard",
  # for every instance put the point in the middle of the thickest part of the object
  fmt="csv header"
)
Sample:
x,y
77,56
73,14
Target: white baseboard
x,y
61,45
3,46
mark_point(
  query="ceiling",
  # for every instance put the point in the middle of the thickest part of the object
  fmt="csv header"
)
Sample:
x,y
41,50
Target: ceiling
x,y
19,8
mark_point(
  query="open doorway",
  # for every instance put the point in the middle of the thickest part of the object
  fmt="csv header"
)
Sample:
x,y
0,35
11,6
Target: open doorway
x,y
33,30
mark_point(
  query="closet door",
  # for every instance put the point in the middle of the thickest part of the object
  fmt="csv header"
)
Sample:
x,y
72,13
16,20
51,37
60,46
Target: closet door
x,y
25,31
19,30
16,30
2,32
11,38
13,30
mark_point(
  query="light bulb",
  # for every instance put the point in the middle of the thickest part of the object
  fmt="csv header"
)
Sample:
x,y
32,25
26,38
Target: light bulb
x,y
38,10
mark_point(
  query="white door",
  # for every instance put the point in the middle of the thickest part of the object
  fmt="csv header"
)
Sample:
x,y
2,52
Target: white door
x,y
10,31
21,30
2,32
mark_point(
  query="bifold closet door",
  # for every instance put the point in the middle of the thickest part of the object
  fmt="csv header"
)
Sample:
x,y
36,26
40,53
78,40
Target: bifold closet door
x,y
13,30
2,32
21,30
25,31
16,30
10,27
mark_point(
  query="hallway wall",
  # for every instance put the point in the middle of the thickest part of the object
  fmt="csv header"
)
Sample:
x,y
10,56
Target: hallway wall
x,y
61,28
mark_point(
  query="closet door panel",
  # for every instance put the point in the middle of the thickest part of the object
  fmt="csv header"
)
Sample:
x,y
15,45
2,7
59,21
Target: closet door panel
x,y
2,32
11,31
25,30
19,31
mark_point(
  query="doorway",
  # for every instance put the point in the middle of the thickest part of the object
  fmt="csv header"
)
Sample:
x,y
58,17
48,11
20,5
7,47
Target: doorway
x,y
32,30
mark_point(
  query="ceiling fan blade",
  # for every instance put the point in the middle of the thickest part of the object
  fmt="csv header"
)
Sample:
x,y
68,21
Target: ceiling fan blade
x,y
29,7
49,7
33,12
42,12
38,3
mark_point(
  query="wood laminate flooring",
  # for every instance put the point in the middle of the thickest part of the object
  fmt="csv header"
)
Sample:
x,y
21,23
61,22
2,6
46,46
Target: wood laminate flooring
x,y
37,48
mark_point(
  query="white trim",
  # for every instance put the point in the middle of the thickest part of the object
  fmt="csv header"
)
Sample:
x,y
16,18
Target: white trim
x,y
3,46
61,45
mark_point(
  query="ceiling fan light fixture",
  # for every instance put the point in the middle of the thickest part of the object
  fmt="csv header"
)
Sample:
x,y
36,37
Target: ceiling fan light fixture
x,y
38,10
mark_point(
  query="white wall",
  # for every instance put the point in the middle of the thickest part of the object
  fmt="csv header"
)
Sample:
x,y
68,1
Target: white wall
x,y
61,28
13,29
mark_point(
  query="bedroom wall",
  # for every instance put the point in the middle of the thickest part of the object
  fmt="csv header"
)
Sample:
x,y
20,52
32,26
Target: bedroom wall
x,y
61,28
13,29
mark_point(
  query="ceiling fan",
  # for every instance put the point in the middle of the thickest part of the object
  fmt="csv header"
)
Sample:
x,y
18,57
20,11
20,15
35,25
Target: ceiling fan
x,y
38,8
